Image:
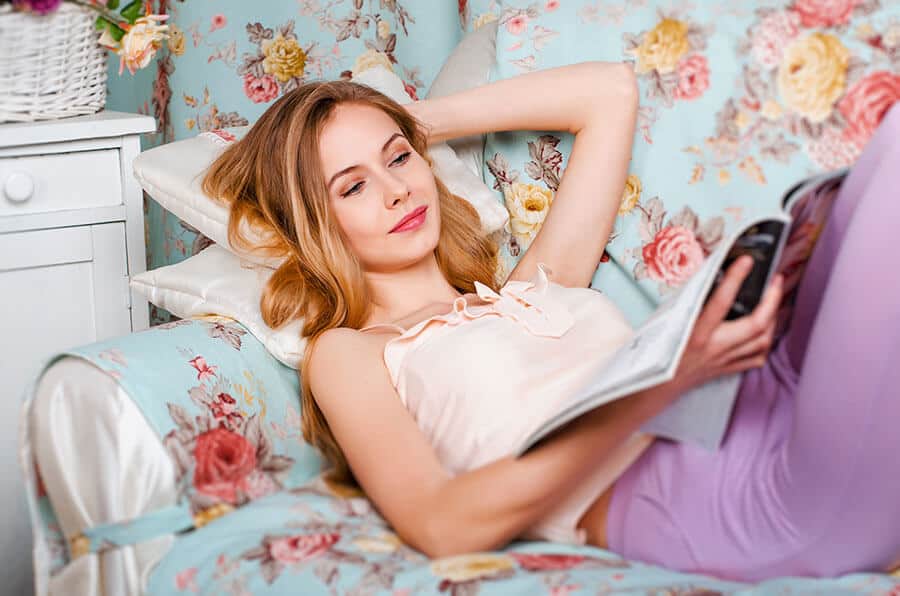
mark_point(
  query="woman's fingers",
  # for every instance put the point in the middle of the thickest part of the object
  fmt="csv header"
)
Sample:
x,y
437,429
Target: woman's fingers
x,y
731,334
762,343
720,302
743,364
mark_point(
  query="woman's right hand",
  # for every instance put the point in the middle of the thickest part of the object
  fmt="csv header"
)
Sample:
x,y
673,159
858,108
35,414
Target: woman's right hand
x,y
718,347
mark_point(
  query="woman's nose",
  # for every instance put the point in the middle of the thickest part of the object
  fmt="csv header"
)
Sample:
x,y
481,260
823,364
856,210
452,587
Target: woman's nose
x,y
395,189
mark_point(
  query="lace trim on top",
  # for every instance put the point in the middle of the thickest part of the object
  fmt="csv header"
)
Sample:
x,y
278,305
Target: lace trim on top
x,y
526,302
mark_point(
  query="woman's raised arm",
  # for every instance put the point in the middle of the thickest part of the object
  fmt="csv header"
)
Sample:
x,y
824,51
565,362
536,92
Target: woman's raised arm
x,y
597,102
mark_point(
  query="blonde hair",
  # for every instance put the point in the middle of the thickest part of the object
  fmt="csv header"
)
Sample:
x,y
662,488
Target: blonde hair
x,y
272,180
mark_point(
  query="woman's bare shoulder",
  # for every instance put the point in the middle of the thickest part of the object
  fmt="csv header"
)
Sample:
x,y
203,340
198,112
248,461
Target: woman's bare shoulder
x,y
339,348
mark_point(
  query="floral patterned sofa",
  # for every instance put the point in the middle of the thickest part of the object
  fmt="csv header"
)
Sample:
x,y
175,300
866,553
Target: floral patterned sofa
x,y
212,491
170,461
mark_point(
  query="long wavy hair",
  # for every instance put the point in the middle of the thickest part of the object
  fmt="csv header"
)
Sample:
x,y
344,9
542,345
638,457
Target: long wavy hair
x,y
273,182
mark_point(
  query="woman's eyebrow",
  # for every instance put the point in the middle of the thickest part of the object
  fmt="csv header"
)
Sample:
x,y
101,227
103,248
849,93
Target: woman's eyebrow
x,y
349,169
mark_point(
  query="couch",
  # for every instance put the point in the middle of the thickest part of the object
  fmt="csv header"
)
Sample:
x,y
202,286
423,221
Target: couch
x,y
170,460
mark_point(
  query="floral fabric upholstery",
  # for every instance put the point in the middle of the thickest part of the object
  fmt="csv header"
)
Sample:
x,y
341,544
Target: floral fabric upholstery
x,y
227,412
738,101
322,539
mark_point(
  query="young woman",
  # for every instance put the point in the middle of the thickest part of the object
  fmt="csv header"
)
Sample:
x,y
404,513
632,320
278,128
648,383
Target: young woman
x,y
422,369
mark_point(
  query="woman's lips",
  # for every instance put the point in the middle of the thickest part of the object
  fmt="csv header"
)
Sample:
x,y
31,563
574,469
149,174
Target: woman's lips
x,y
413,220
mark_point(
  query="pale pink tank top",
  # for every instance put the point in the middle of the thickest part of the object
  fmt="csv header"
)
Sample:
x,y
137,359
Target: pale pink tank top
x,y
477,380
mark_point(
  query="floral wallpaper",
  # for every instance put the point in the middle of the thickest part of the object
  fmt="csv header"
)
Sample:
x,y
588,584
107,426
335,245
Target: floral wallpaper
x,y
738,101
226,60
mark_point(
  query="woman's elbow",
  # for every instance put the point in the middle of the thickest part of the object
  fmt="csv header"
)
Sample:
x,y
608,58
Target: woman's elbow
x,y
619,82
613,89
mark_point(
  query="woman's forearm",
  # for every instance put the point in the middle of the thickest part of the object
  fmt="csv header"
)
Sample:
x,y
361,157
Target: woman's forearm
x,y
563,99
486,508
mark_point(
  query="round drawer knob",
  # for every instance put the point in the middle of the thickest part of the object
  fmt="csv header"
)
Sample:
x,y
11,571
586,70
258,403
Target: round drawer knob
x,y
18,187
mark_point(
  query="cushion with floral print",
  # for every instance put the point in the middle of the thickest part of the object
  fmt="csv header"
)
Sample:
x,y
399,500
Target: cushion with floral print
x,y
326,538
226,411
738,101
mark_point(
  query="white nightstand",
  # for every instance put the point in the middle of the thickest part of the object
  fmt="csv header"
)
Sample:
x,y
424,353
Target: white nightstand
x,y
71,232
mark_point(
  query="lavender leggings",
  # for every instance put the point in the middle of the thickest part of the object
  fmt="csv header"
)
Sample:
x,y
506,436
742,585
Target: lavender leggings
x,y
807,481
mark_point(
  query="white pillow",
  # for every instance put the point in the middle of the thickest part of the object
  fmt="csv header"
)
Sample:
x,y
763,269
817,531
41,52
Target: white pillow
x,y
173,173
215,281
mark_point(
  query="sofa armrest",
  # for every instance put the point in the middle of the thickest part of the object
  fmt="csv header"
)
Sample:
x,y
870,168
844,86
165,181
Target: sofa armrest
x,y
194,412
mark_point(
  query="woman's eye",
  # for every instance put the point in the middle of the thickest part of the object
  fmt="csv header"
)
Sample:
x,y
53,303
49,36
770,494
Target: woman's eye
x,y
353,189
402,158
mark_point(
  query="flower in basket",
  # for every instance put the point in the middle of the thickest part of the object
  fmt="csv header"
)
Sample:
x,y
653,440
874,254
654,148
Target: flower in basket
x,y
132,33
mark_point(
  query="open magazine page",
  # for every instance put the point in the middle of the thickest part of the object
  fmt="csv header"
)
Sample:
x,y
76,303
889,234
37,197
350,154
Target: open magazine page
x,y
701,415
651,357
648,359
810,207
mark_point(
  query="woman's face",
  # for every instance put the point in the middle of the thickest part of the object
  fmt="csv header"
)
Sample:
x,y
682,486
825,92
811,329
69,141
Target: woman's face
x,y
375,179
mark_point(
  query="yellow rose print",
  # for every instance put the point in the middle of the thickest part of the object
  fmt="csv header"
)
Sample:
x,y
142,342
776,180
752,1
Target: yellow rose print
x,y
370,59
662,47
631,195
812,75
285,59
528,205
468,567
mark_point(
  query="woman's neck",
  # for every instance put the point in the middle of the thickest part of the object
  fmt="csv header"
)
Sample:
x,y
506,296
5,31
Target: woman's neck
x,y
398,294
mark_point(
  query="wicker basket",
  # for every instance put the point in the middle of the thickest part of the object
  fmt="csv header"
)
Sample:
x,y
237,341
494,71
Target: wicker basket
x,y
50,66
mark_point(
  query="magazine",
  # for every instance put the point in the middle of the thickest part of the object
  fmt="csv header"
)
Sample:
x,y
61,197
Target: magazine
x,y
779,242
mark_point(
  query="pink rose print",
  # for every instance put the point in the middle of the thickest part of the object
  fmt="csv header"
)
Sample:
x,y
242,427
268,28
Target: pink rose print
x,y
224,409
203,370
551,5
866,103
224,459
693,77
517,24
831,150
673,256
262,89
295,549
217,22
824,13
410,90
773,35
547,562
185,580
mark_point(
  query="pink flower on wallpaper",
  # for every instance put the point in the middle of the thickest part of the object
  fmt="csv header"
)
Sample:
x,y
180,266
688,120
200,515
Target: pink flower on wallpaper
x,y
411,90
186,579
824,13
773,35
217,22
262,89
673,255
693,77
831,151
295,549
517,24
866,103
551,5
203,370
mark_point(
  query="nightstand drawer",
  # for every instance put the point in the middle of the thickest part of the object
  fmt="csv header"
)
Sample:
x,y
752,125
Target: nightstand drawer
x,y
60,181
